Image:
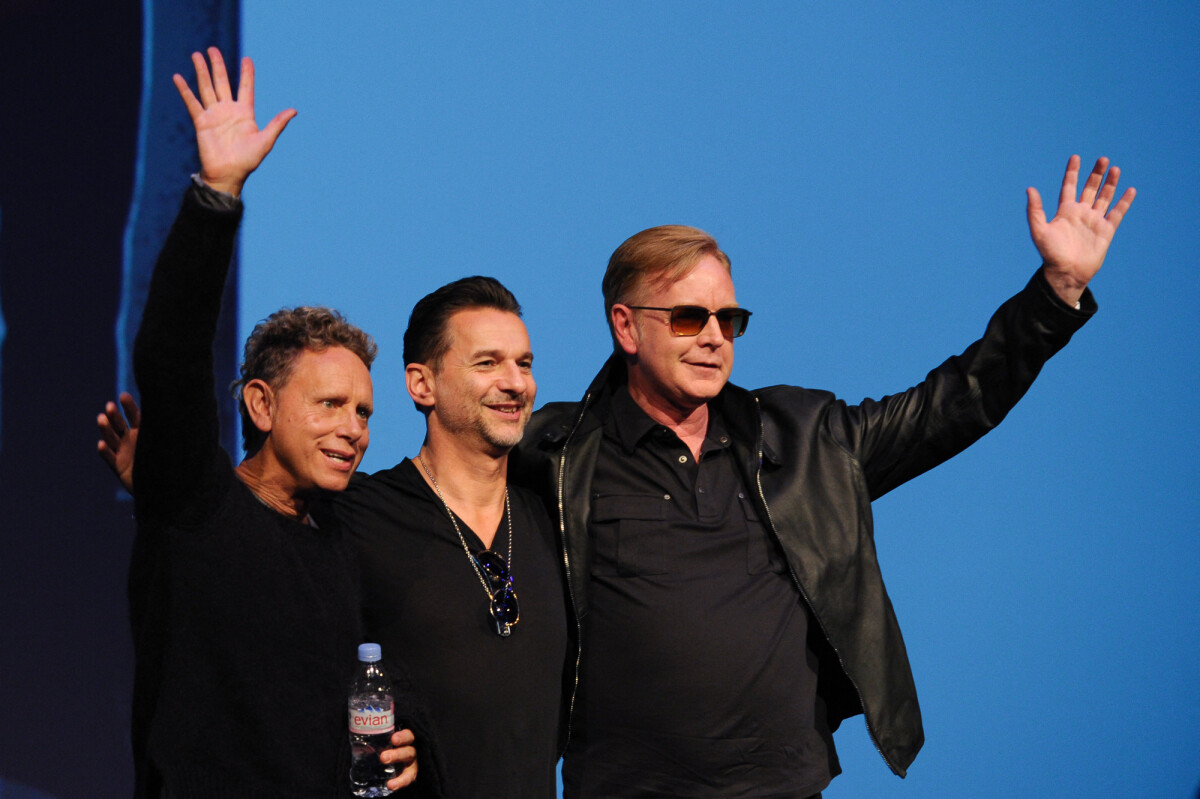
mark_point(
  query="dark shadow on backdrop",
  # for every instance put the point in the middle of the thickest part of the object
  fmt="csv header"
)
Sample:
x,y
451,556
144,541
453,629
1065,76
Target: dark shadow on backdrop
x,y
70,182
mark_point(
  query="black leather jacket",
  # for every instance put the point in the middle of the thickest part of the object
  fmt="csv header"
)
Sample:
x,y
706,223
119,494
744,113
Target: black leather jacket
x,y
813,465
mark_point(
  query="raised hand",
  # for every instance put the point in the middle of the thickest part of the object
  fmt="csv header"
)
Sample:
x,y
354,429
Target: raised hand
x,y
118,437
230,142
1073,244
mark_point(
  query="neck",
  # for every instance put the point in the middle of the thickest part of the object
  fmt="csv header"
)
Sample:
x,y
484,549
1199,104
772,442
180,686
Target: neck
x,y
472,483
690,424
271,492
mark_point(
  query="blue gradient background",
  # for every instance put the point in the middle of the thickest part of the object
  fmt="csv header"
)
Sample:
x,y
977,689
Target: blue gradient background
x,y
864,165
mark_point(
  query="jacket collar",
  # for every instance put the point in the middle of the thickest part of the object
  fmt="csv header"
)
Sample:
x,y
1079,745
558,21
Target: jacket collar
x,y
738,407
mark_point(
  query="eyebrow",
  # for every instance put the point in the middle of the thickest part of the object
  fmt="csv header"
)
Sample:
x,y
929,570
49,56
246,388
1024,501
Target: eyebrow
x,y
499,355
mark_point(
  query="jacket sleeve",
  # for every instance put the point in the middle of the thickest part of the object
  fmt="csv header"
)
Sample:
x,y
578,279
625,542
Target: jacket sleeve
x,y
902,435
173,361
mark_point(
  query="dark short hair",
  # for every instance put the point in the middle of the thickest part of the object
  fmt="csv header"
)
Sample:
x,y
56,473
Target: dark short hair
x,y
427,339
660,254
274,344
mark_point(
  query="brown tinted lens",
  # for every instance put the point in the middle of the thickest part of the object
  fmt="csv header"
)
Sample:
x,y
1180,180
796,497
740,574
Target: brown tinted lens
x,y
688,320
732,321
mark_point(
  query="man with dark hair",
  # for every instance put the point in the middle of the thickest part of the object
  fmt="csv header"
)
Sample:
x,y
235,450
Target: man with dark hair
x,y
447,546
427,337
244,612
719,542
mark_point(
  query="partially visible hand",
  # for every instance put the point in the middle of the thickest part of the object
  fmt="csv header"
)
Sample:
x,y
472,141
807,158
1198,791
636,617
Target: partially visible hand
x,y
230,143
1074,243
118,437
404,755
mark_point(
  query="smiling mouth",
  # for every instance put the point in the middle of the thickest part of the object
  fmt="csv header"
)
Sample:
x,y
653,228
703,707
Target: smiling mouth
x,y
339,458
512,409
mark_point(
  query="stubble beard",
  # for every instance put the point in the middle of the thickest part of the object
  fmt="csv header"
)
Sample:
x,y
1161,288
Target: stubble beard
x,y
502,436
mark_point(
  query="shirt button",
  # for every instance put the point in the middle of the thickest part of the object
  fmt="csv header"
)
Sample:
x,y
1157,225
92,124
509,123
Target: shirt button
x,y
683,458
724,439
667,497
701,490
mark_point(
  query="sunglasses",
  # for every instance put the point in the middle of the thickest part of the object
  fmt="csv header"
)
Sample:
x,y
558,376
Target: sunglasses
x,y
505,611
689,320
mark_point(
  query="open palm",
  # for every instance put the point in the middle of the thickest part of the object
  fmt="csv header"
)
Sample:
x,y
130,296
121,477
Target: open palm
x,y
1073,244
229,140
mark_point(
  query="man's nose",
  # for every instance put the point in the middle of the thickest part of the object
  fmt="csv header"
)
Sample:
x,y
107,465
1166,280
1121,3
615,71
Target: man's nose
x,y
353,425
513,379
710,335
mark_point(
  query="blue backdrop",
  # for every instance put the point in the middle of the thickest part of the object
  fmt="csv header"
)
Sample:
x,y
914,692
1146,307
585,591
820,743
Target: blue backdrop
x,y
864,164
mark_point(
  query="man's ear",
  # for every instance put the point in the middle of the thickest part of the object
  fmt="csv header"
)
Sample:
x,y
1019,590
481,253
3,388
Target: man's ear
x,y
260,404
624,328
421,384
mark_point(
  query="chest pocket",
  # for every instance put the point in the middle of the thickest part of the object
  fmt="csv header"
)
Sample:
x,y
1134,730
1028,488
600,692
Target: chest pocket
x,y
629,535
762,553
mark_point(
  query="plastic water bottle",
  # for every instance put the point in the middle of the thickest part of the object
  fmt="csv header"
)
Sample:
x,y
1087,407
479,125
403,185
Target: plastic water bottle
x,y
372,722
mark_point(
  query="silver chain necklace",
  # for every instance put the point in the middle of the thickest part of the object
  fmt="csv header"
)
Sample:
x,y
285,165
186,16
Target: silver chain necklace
x,y
502,628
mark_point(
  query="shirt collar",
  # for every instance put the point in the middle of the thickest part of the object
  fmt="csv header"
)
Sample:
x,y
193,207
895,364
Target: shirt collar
x,y
630,425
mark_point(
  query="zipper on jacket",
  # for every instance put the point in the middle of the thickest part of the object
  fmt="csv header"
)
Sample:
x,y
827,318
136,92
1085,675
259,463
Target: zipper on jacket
x,y
796,580
562,526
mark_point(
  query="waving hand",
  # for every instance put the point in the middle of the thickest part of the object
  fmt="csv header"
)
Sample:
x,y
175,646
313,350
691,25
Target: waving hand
x,y
1073,244
230,142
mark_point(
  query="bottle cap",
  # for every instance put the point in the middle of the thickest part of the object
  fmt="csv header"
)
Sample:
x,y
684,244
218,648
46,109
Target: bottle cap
x,y
369,653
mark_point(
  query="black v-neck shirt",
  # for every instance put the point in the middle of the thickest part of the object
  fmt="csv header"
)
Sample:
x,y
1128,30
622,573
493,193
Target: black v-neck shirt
x,y
494,702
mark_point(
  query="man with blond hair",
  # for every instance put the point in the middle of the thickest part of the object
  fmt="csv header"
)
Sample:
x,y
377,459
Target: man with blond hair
x,y
719,541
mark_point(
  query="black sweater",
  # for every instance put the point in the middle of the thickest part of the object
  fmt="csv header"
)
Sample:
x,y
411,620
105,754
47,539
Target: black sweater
x,y
245,621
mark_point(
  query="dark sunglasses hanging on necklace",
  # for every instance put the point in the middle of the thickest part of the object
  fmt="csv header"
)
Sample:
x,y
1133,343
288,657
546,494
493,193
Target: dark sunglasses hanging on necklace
x,y
491,569
505,611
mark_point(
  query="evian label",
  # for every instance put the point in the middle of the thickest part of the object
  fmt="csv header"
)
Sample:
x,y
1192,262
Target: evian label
x,y
372,720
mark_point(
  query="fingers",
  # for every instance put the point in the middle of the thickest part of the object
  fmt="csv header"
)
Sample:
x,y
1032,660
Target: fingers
x,y
1092,186
204,84
212,87
112,419
405,759
1070,182
404,755
132,412
1117,213
399,755
406,777
276,125
1034,210
194,108
110,440
220,77
107,455
246,82
1098,191
112,428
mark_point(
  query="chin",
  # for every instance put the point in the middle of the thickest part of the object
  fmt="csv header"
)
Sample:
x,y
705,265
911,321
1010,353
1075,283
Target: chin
x,y
335,484
703,393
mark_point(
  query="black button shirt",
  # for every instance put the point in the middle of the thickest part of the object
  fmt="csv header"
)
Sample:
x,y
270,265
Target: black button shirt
x,y
697,680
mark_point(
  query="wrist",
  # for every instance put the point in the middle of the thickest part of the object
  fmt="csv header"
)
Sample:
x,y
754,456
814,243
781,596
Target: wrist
x,y
1066,288
225,185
